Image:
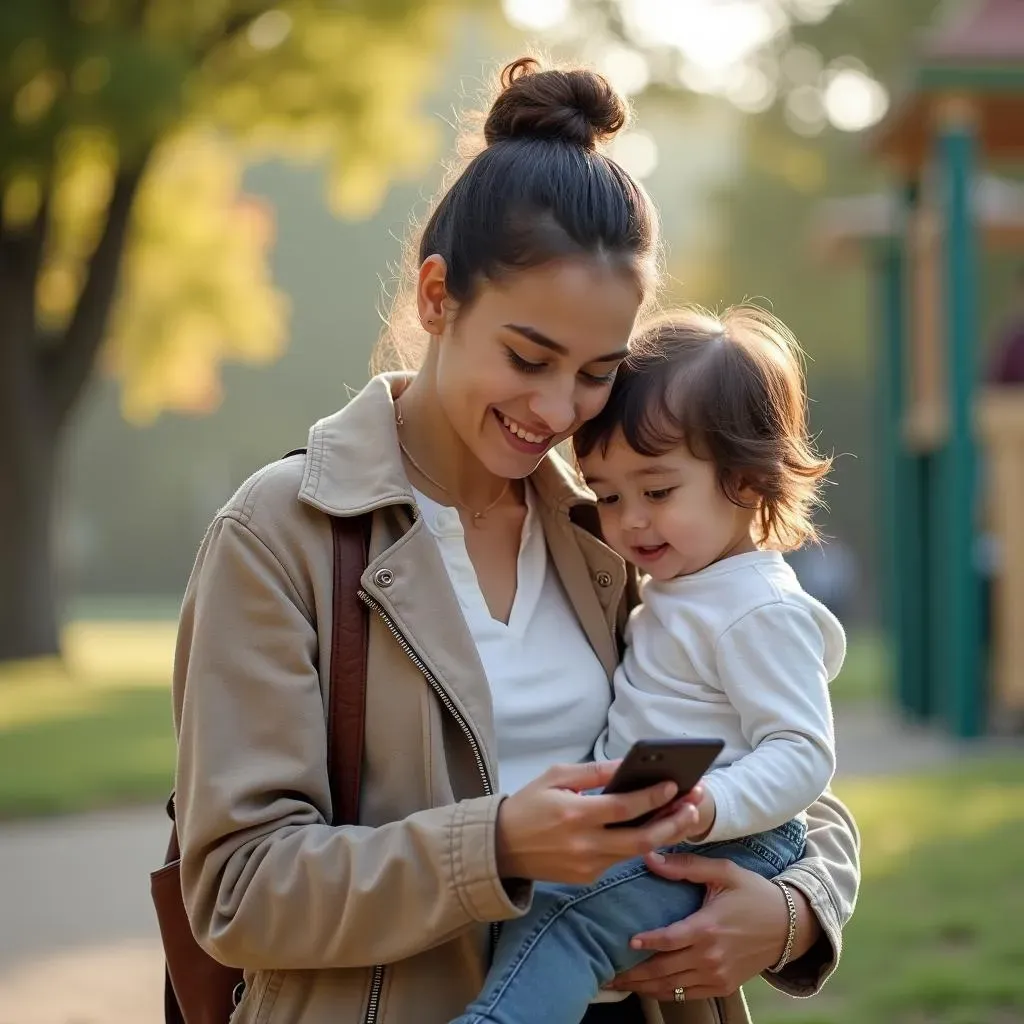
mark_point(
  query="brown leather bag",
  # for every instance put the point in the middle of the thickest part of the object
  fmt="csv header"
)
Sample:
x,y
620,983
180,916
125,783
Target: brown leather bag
x,y
198,989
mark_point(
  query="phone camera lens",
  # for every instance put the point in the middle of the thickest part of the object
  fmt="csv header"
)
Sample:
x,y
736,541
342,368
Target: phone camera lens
x,y
652,757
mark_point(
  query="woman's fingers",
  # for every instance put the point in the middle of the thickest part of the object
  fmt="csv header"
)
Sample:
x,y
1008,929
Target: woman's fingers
x,y
578,777
663,988
659,977
691,867
657,970
613,808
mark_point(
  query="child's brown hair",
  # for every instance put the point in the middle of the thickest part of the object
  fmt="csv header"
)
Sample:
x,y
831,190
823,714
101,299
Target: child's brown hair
x,y
731,388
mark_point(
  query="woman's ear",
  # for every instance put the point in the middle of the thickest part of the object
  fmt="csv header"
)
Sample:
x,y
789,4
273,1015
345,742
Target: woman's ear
x,y
431,294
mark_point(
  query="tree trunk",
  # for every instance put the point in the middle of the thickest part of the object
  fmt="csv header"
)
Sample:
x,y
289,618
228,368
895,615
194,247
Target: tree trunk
x,y
29,623
40,382
28,612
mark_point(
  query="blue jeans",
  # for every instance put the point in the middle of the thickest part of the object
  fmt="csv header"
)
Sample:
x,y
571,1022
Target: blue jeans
x,y
549,965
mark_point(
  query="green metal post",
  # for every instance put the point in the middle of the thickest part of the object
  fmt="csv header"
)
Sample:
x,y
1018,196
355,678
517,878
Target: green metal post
x,y
932,579
961,639
914,531
902,562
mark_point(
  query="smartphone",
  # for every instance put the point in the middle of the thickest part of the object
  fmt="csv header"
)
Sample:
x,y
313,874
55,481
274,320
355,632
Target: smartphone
x,y
648,762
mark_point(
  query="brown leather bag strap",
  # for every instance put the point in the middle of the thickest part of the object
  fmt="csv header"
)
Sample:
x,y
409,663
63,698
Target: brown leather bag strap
x,y
349,638
347,695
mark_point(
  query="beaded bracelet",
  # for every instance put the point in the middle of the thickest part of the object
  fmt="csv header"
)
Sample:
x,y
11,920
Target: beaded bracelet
x,y
787,952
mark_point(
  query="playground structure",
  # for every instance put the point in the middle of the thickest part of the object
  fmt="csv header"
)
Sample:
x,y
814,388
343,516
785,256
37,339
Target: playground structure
x,y
951,452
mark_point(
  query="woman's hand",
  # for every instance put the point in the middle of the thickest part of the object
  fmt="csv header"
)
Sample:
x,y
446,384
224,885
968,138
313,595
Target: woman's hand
x,y
550,832
739,932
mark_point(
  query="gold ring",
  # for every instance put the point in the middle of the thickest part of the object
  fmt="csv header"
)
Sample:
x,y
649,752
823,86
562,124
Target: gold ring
x,y
679,994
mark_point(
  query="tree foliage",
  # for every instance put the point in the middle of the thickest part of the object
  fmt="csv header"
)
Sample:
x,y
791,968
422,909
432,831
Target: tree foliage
x,y
104,98
123,127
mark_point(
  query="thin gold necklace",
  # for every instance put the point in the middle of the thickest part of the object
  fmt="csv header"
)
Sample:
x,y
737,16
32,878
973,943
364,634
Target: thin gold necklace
x,y
399,421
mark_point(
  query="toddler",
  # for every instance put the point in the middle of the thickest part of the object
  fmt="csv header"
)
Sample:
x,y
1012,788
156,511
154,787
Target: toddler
x,y
704,474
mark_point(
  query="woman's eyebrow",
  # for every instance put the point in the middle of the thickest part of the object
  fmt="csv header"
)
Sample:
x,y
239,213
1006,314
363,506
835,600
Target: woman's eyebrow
x,y
532,334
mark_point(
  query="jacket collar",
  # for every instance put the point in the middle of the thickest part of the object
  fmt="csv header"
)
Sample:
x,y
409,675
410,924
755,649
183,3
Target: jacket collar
x,y
354,464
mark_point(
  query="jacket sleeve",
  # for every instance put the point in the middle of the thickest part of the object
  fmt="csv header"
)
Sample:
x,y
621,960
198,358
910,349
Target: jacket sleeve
x,y
267,882
829,876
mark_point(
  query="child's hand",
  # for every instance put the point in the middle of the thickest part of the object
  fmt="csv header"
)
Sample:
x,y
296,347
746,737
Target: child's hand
x,y
705,815
700,798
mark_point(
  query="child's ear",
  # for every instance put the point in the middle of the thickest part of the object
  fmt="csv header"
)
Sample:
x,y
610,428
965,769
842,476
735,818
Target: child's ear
x,y
746,491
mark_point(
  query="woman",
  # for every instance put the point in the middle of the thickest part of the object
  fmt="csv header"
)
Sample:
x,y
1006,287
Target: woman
x,y
492,642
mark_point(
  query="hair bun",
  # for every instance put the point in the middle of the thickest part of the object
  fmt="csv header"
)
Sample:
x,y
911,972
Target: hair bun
x,y
576,106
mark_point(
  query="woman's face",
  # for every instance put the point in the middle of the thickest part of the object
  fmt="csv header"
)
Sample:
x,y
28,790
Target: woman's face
x,y
532,357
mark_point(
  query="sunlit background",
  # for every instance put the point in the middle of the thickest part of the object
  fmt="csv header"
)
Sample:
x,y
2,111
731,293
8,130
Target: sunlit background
x,y
203,209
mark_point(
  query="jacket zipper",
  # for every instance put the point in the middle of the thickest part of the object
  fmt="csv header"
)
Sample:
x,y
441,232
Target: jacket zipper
x,y
435,686
378,972
375,986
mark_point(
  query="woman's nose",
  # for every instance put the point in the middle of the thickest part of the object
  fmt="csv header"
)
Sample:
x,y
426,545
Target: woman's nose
x,y
556,406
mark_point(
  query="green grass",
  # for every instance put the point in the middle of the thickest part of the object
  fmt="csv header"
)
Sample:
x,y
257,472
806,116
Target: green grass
x,y
866,671
94,731
116,749
937,937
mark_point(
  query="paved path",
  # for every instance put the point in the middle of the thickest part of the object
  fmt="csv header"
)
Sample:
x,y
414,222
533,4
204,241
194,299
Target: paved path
x,y
77,934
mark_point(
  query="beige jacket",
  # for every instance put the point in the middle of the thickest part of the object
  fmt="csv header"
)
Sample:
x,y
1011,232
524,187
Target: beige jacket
x,y
385,922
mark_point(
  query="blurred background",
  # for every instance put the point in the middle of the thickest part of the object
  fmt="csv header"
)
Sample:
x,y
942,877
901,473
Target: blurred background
x,y
203,206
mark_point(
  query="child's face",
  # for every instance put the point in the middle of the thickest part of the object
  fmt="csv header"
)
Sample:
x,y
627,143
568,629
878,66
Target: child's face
x,y
667,515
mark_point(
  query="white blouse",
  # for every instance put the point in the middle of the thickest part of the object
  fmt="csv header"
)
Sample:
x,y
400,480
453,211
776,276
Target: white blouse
x,y
548,688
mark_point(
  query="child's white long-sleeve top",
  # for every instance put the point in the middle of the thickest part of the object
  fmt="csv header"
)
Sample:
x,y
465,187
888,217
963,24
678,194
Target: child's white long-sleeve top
x,y
740,652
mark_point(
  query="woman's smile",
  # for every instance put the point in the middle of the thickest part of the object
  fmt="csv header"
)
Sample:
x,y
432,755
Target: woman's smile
x,y
521,438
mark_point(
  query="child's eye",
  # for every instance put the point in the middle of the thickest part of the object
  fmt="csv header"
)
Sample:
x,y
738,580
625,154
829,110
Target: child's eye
x,y
608,499
660,494
521,364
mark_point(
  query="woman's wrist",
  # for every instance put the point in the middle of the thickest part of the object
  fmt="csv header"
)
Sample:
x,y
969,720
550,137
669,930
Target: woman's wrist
x,y
807,929
502,853
787,949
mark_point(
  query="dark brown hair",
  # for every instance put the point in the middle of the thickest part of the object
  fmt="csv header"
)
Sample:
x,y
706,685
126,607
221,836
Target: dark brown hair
x,y
540,190
731,388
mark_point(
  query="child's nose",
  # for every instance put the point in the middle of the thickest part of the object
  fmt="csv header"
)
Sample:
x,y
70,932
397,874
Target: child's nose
x,y
635,517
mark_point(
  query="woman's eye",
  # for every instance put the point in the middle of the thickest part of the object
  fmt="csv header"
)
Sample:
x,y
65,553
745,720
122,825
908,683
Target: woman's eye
x,y
608,499
599,380
660,494
523,365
